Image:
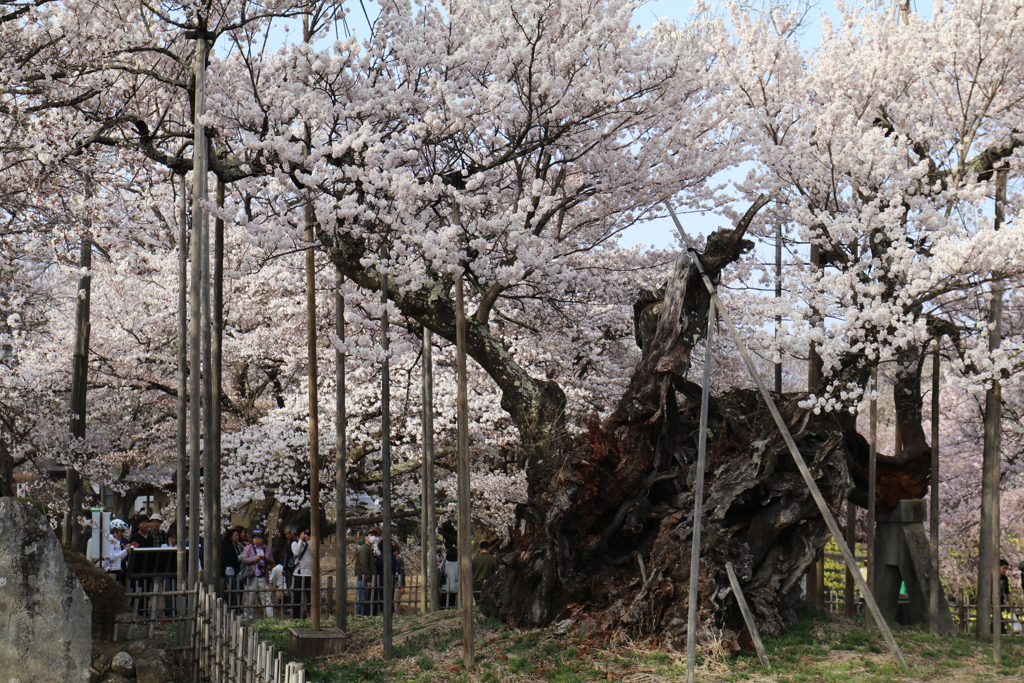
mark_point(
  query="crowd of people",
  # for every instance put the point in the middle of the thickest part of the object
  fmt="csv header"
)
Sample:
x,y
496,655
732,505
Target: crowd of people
x,y
257,569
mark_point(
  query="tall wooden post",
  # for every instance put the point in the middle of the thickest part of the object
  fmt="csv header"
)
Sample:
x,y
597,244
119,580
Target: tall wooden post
x,y
816,575
935,589
698,500
181,478
872,477
314,422
214,391
199,246
465,516
341,469
988,565
79,386
385,465
428,515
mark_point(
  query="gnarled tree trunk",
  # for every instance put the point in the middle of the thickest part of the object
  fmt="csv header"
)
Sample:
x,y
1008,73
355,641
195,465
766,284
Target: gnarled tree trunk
x,y
609,536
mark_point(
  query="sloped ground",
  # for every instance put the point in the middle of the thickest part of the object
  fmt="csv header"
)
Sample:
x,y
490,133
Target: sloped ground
x,y
818,649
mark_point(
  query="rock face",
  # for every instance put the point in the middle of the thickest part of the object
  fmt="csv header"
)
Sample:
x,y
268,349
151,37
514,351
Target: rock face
x,y
45,616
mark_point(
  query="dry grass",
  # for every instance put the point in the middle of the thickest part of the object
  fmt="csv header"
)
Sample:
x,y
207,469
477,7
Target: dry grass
x,y
428,649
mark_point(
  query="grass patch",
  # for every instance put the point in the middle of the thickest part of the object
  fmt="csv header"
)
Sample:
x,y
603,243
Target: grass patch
x,y
817,649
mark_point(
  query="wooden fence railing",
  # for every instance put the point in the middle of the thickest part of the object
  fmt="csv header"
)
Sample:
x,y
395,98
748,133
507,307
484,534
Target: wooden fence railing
x,y
224,650
963,610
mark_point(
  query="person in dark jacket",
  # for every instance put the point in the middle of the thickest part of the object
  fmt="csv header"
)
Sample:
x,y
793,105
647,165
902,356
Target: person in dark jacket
x,y
229,564
484,566
365,571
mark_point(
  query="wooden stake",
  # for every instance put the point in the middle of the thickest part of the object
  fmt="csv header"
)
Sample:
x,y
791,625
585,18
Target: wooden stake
x,y
698,502
801,464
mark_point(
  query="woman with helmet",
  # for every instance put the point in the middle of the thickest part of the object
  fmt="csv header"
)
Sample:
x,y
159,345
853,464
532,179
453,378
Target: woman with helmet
x,y
117,550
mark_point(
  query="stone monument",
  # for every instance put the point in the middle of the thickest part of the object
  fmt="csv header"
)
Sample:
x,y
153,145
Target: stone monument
x,y
45,616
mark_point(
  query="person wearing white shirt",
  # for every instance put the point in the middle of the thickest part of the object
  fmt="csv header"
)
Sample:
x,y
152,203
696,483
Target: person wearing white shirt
x,y
117,550
302,579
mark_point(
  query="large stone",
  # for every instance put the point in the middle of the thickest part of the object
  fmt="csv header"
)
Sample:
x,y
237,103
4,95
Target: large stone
x,y
153,670
45,616
123,664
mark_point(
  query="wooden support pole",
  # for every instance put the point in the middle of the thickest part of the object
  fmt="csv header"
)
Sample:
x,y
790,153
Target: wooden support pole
x,y
181,475
935,589
465,532
748,618
428,521
313,378
698,502
798,458
988,566
79,389
385,466
872,479
199,167
341,469
216,332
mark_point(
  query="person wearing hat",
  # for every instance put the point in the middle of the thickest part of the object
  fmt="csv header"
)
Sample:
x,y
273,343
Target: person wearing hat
x,y
117,550
259,556
156,520
365,570
142,538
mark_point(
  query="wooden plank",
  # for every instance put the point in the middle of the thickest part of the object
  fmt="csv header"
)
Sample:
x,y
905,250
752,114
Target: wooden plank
x,y
819,500
747,616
